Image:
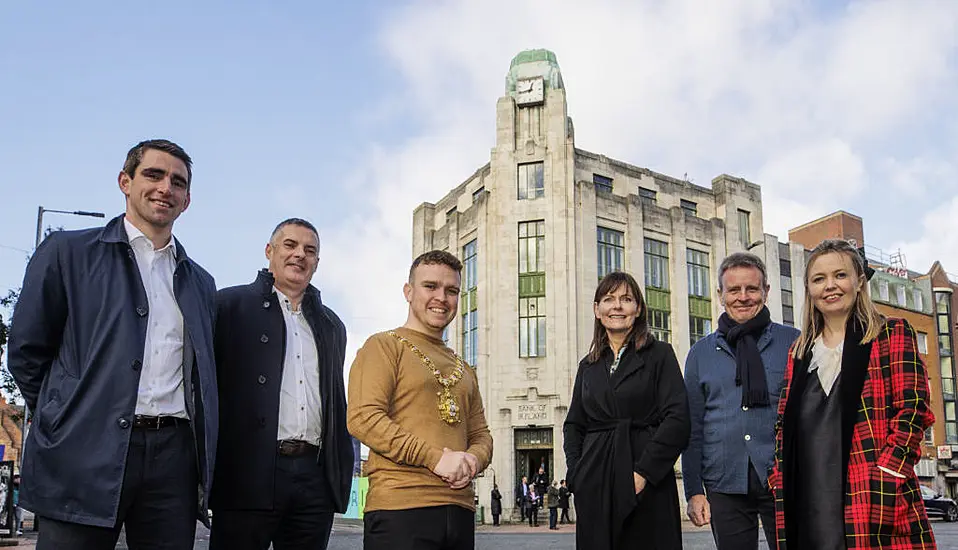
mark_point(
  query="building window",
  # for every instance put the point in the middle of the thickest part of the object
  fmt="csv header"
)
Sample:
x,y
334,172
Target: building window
x,y
469,305
611,249
916,297
922,343
602,183
699,328
883,290
788,316
744,229
698,268
532,289
647,196
689,207
700,304
785,278
900,294
531,181
946,362
657,296
656,264
478,193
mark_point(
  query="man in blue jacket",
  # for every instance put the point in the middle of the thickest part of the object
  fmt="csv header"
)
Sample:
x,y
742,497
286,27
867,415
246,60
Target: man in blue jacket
x,y
111,345
285,459
733,378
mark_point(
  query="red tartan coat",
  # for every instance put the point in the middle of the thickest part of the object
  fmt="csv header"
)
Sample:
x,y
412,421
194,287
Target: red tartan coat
x,y
884,392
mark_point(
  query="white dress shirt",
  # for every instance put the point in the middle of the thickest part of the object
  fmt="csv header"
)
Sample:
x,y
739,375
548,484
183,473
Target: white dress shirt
x,y
300,404
160,391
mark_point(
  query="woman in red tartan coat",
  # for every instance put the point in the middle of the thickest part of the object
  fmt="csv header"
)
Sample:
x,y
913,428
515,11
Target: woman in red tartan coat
x,y
851,419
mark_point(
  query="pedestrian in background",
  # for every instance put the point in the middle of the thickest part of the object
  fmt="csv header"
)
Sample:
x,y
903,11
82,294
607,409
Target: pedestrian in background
x,y
496,505
552,501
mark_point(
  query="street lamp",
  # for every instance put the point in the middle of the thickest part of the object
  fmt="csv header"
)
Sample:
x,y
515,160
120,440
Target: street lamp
x,y
41,210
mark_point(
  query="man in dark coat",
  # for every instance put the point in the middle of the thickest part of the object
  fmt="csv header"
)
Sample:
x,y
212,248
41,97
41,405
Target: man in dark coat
x,y
286,460
112,349
495,505
564,502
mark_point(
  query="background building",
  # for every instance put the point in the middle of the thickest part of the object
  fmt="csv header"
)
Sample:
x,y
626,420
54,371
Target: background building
x,y
538,226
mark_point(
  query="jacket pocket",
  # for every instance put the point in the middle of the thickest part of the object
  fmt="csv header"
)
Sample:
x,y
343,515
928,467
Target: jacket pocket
x,y
891,499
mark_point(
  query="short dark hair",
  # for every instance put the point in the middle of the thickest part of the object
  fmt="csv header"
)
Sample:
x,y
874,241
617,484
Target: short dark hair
x,y
294,221
135,156
640,329
434,257
743,259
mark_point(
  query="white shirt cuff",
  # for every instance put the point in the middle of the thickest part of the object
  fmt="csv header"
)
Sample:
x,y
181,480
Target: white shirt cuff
x,y
896,474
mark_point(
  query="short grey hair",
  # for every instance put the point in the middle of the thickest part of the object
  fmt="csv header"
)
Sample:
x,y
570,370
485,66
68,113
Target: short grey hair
x,y
742,259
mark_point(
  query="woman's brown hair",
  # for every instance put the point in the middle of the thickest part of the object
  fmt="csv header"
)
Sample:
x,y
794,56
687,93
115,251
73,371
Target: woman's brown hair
x,y
640,330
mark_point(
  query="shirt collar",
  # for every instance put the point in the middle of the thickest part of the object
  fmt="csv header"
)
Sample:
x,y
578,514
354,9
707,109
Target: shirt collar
x,y
135,234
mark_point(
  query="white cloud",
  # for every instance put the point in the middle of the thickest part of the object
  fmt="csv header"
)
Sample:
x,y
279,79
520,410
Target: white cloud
x,y
938,240
809,104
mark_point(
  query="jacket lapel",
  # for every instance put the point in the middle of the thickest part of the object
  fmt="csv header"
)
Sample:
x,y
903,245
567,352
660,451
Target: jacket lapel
x,y
855,358
631,362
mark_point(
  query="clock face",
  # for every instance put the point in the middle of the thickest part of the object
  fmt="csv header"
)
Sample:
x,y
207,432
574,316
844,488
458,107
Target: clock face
x,y
530,91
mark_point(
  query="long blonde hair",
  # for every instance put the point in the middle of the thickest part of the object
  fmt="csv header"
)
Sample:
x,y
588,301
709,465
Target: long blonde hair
x,y
813,323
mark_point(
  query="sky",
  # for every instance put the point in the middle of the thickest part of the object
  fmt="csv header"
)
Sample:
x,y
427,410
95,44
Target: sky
x,y
350,114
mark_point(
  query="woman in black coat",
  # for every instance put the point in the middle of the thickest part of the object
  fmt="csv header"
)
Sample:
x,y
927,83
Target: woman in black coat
x,y
627,424
496,505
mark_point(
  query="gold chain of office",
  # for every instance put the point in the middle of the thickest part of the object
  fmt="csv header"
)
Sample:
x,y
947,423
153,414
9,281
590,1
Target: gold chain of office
x,y
449,410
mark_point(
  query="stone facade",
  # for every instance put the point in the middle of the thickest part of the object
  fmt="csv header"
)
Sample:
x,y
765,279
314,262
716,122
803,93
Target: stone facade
x,y
531,219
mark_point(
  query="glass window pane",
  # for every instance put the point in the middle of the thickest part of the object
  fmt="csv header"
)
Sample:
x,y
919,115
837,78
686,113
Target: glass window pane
x,y
950,411
951,432
948,388
945,364
943,301
944,345
943,327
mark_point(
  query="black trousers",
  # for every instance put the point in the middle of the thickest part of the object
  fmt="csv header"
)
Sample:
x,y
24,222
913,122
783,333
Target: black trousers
x,y
301,518
434,528
158,502
735,517
564,517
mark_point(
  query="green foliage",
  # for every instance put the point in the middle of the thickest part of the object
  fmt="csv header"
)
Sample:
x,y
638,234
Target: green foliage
x,y
7,384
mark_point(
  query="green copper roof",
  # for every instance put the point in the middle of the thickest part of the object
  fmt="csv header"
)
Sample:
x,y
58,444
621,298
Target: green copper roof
x,y
531,56
532,64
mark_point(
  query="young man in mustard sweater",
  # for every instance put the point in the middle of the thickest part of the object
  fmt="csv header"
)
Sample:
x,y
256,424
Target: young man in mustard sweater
x,y
416,405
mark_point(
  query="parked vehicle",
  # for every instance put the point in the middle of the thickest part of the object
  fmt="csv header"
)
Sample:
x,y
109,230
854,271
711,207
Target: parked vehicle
x,y
939,506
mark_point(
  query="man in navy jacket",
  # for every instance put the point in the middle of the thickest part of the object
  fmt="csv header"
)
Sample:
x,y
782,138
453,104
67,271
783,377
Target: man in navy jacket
x,y
285,459
111,345
733,377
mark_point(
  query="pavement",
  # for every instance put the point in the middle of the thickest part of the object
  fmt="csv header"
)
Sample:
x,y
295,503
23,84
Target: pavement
x,y
347,535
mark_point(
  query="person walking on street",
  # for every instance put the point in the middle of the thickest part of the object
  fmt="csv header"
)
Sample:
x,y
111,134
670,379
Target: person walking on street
x,y
495,505
416,404
541,481
552,501
732,377
564,502
532,505
111,346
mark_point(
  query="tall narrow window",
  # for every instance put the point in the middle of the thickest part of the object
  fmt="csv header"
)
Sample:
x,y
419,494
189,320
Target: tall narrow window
x,y
900,294
946,362
469,305
785,269
531,181
883,290
689,207
744,228
602,183
700,304
611,248
657,296
917,298
532,289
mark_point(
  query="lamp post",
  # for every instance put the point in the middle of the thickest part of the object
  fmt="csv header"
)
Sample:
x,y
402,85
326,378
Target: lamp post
x,y
42,210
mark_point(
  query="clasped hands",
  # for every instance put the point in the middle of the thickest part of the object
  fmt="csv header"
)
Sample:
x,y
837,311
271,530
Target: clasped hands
x,y
457,468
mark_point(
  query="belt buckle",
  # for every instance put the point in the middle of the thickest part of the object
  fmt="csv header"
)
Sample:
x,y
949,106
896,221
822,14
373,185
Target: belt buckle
x,y
149,422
